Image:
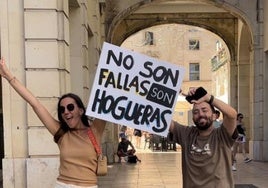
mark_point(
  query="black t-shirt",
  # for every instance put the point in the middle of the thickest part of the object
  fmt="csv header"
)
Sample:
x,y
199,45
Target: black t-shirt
x,y
240,129
123,146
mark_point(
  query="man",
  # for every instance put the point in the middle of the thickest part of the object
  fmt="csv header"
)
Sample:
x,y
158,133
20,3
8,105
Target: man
x,y
206,151
122,150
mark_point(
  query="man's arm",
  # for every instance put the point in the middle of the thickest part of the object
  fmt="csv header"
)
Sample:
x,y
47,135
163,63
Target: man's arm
x,y
229,113
131,145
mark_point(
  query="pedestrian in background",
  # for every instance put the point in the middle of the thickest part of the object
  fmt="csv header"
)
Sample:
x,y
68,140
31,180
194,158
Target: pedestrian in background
x,y
123,132
240,141
217,122
138,134
122,149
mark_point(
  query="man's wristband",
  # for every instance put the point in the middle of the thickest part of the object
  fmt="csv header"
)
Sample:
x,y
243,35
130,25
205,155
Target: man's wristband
x,y
211,99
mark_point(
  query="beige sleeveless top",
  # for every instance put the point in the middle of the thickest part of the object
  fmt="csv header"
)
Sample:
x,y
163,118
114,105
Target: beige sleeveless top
x,y
78,160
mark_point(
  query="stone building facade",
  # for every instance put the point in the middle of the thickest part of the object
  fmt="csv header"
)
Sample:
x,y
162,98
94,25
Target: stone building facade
x,y
192,48
53,46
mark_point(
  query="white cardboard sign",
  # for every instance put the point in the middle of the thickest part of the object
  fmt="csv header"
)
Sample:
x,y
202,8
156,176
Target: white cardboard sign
x,y
135,90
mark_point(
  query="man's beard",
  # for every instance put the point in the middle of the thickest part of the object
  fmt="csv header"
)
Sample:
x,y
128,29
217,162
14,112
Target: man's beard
x,y
203,127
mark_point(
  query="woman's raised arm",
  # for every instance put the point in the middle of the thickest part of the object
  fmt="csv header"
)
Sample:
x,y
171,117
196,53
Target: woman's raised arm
x,y
47,119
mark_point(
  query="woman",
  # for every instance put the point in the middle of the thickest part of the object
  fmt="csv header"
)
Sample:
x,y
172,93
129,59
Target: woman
x,y
241,140
78,158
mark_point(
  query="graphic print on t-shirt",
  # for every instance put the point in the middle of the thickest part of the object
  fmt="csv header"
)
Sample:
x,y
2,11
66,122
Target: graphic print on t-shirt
x,y
200,151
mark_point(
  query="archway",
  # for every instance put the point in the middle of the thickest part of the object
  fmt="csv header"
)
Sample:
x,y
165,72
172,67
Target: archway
x,y
224,20
204,55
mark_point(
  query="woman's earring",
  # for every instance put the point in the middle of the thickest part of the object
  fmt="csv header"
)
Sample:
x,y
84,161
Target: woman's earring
x,y
81,111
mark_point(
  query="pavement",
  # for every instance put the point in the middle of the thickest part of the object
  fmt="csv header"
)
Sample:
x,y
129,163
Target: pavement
x,y
163,170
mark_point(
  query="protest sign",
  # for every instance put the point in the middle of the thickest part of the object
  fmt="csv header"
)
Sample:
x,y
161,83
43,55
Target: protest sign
x,y
134,90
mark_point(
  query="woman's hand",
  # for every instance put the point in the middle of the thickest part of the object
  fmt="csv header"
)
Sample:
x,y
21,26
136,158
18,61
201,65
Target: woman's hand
x,y
4,70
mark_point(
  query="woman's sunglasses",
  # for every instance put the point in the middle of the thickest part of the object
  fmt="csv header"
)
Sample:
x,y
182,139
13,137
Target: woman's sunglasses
x,y
70,107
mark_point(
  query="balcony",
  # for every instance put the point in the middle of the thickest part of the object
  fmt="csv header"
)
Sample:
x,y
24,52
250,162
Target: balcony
x,y
219,60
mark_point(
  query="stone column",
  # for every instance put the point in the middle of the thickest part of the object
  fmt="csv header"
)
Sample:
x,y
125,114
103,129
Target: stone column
x,y
35,38
14,113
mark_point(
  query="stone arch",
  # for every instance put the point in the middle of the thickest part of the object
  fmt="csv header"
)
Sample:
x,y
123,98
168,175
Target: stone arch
x,y
238,27
225,25
125,23
121,28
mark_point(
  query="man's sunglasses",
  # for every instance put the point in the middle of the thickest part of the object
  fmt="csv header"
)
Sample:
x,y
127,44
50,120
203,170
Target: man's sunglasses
x,y
70,107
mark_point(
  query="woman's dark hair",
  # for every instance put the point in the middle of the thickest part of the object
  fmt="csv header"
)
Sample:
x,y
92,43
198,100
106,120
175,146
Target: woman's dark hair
x,y
63,125
239,115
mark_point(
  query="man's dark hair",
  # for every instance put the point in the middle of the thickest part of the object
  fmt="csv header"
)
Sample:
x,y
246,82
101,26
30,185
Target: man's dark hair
x,y
212,108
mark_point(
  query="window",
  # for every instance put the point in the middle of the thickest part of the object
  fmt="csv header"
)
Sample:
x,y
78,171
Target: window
x,y
149,38
193,44
194,73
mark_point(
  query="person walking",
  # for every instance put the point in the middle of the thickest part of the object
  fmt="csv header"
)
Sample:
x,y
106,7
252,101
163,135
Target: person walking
x,y
78,158
206,150
240,141
138,134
